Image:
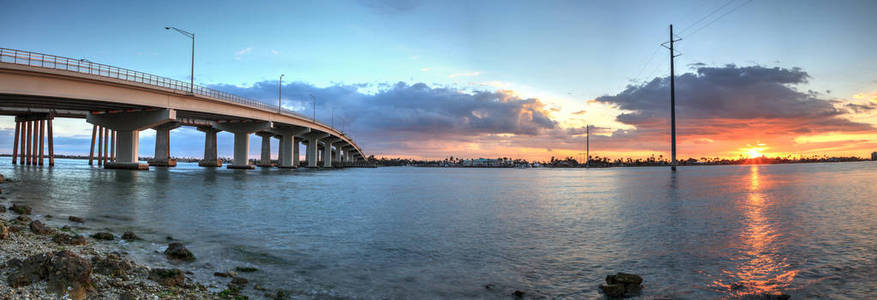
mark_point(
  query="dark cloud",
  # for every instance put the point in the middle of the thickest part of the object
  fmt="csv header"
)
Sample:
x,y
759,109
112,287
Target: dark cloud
x,y
403,113
858,108
715,95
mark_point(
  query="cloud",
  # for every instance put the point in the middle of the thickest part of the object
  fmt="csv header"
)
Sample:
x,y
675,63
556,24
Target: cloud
x,y
403,116
424,69
275,52
240,53
467,74
581,112
729,103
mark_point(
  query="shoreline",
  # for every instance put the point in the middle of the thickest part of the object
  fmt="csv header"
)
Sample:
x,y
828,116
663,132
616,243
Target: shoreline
x,y
79,262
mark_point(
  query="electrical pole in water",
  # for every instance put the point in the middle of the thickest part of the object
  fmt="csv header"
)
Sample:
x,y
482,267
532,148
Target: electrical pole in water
x,y
588,146
672,99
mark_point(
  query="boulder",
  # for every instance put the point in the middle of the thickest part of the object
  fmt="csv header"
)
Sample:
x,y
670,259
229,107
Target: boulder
x,y
113,265
129,236
240,281
518,294
66,239
4,232
168,277
2,209
39,228
64,271
177,251
20,209
76,219
613,290
106,236
220,274
246,269
624,278
23,219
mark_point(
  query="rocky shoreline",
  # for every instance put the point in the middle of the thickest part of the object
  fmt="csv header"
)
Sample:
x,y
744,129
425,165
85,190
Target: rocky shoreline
x,y
38,261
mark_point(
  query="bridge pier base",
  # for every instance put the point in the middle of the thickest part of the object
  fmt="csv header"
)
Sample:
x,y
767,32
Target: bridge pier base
x,y
162,156
265,159
126,127
287,155
327,152
210,159
312,155
242,133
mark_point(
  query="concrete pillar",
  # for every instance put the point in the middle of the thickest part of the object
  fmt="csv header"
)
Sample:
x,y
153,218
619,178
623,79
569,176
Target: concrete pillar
x,y
128,126
242,133
313,139
265,160
162,156
210,157
295,151
327,154
15,142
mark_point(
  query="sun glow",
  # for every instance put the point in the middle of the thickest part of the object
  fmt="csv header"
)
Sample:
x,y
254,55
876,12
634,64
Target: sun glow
x,y
754,151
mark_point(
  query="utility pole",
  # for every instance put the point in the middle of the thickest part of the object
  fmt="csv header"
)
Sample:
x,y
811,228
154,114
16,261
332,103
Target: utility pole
x,y
588,146
315,108
280,95
672,99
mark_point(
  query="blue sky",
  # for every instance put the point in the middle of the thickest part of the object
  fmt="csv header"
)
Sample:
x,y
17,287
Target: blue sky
x,y
563,53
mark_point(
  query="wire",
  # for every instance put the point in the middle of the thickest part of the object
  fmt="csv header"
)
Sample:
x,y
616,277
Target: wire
x,y
646,65
716,19
706,16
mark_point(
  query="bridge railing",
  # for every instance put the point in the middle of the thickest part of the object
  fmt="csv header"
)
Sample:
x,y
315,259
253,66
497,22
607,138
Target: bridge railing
x,y
35,59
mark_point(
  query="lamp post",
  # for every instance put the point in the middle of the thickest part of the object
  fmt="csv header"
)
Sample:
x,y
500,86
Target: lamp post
x,y
280,95
315,108
192,74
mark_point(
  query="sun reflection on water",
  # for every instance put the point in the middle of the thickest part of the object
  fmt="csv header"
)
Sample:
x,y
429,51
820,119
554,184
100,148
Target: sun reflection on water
x,y
761,269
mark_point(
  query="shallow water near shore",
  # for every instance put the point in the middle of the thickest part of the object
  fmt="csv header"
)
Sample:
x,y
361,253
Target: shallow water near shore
x,y
808,230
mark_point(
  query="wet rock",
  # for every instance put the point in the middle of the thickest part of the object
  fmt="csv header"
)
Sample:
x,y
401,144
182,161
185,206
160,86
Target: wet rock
x,y
66,239
63,270
518,294
246,269
129,236
167,277
4,232
20,209
76,219
106,236
2,209
220,274
178,251
490,286
240,281
613,289
259,288
23,219
39,228
622,284
113,265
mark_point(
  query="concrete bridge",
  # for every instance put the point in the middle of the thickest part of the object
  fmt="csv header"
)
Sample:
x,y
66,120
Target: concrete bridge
x,y
120,103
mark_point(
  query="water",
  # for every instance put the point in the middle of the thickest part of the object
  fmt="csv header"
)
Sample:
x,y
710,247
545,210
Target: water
x,y
807,230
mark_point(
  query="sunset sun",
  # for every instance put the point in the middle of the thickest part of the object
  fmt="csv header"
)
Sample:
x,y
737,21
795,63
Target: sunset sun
x,y
754,153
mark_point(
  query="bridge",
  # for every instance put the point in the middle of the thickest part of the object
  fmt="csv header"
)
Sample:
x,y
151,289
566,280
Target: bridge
x,y
36,88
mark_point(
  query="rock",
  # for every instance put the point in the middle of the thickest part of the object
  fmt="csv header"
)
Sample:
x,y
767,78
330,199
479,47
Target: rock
x,y
4,232
518,294
76,219
232,273
38,227
246,269
178,251
259,288
129,236
66,239
23,219
49,216
106,236
2,209
113,265
490,286
624,278
613,290
20,209
220,274
65,271
239,281
168,277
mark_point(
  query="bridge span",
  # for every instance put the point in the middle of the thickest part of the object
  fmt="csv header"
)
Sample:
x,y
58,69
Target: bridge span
x,y
120,103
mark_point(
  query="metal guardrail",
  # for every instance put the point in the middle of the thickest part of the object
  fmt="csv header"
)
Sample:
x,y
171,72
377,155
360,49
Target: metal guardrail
x,y
35,59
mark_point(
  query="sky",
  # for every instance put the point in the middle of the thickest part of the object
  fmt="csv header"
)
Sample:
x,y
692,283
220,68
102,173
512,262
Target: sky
x,y
432,79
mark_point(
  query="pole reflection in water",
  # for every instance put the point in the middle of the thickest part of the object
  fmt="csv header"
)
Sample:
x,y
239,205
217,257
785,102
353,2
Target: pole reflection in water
x,y
761,267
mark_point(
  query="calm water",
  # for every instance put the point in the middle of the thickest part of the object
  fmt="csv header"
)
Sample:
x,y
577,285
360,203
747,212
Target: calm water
x,y
808,230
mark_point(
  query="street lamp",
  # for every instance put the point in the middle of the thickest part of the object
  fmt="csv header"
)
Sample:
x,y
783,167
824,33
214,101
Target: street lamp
x,y
192,74
280,95
315,108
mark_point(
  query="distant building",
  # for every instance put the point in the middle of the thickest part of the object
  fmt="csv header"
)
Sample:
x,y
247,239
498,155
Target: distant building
x,y
483,163
874,155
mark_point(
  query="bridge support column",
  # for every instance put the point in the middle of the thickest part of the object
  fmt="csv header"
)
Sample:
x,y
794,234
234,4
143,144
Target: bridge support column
x,y
327,153
162,157
242,133
295,152
287,155
210,159
265,161
127,126
313,140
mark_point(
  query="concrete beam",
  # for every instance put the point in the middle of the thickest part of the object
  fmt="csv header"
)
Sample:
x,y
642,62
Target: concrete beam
x,y
127,121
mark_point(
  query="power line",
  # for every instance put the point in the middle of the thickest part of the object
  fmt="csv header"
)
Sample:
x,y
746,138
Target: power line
x,y
705,17
722,15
